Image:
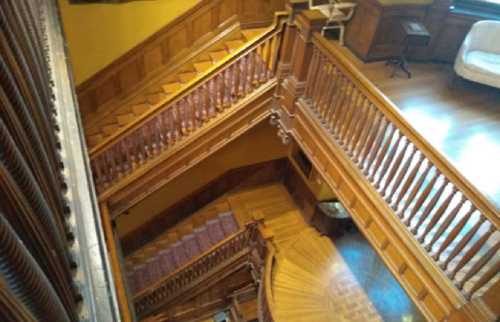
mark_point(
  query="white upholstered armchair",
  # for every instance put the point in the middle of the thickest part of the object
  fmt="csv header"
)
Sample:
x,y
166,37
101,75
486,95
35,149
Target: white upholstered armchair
x,y
479,57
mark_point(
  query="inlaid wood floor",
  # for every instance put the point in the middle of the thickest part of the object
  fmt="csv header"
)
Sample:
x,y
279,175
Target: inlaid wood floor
x,y
461,119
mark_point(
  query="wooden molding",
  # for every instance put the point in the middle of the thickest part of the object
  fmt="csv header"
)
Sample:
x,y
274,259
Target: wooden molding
x,y
192,150
170,46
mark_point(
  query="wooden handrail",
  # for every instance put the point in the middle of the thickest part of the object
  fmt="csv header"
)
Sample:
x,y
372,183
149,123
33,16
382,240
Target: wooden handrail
x,y
266,309
191,85
233,80
391,111
246,237
425,192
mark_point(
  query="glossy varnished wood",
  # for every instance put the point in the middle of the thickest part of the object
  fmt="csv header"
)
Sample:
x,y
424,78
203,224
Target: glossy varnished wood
x,y
460,118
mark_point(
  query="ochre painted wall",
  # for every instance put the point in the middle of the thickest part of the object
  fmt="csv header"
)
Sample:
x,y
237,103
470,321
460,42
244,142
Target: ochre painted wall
x,y
97,34
260,144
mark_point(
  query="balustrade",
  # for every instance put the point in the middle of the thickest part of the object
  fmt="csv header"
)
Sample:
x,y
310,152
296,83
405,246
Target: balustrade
x,y
457,231
196,271
236,79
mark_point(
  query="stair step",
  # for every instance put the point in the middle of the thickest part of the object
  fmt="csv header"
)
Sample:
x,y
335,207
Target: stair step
x,y
202,66
155,98
187,76
126,119
93,140
110,129
250,34
171,88
217,56
234,45
140,109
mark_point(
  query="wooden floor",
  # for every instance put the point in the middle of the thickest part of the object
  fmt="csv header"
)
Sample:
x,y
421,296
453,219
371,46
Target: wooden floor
x,y
313,280
461,119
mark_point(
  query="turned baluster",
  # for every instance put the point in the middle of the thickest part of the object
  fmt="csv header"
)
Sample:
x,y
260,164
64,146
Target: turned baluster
x,y
405,185
455,231
485,278
351,118
479,264
167,127
144,131
209,95
159,128
219,92
312,74
237,92
268,58
243,76
375,147
320,81
430,206
473,250
388,138
416,188
125,153
350,108
335,106
422,197
225,89
110,167
345,92
261,63
194,106
394,147
355,129
330,95
375,123
275,54
324,91
391,174
96,170
234,85
463,241
176,122
252,74
438,214
361,135
182,112
446,223
251,77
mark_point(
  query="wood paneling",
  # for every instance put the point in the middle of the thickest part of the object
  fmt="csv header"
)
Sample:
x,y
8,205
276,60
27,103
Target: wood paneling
x,y
168,46
238,178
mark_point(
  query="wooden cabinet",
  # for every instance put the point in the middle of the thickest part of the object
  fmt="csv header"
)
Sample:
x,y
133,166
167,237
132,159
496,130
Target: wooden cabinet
x,y
374,33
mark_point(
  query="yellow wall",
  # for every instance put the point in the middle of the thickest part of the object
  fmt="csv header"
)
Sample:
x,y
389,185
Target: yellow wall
x,y
258,145
97,34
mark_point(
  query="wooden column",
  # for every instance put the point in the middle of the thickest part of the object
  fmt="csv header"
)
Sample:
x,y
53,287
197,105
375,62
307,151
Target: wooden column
x,y
115,264
307,22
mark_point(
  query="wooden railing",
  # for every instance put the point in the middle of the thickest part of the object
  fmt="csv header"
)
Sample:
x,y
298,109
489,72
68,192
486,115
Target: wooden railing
x,y
233,80
206,266
450,219
35,263
171,46
265,298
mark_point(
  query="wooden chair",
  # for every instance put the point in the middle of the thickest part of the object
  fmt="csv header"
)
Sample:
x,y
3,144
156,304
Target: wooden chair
x,y
337,14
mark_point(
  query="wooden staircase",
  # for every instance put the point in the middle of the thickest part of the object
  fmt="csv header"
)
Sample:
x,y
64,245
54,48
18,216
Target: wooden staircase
x,y
109,119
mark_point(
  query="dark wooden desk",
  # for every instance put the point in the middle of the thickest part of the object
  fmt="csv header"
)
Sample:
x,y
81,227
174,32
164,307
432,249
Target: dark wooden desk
x,y
414,34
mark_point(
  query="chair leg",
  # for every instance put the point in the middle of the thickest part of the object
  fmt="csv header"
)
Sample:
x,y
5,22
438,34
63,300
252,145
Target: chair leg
x,y
341,34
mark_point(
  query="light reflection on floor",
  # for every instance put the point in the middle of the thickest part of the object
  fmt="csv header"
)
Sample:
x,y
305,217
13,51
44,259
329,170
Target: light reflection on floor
x,y
386,294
